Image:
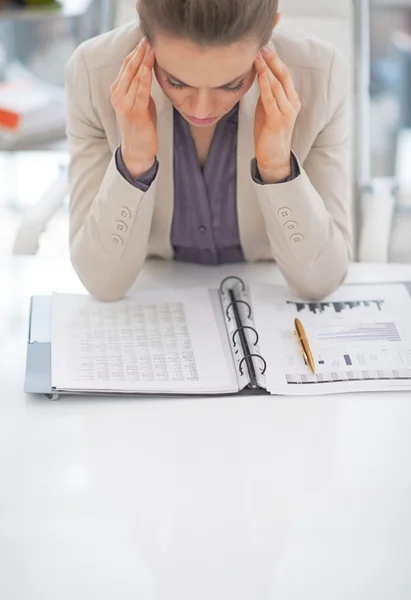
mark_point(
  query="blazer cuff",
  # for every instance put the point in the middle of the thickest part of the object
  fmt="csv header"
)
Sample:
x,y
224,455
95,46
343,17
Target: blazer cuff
x,y
295,171
144,182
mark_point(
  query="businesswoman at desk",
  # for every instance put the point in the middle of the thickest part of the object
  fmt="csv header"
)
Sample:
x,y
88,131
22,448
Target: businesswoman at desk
x,y
203,134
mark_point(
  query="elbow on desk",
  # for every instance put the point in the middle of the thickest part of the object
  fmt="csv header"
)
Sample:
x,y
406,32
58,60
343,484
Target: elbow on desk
x,y
105,282
324,277
104,291
315,292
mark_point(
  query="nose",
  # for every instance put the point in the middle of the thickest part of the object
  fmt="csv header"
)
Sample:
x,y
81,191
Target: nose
x,y
201,105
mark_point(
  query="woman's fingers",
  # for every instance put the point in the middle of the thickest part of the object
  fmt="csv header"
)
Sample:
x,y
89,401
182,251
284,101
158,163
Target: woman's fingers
x,y
140,48
149,58
137,49
285,106
129,69
279,94
282,74
142,98
267,98
131,95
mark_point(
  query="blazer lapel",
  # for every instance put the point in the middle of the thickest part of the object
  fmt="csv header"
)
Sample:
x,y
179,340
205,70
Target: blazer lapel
x,y
164,202
253,234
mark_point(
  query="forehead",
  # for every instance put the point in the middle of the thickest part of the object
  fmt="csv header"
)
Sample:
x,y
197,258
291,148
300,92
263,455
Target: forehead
x,y
204,66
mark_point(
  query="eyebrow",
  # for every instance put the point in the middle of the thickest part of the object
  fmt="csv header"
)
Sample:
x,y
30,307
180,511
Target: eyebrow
x,y
230,83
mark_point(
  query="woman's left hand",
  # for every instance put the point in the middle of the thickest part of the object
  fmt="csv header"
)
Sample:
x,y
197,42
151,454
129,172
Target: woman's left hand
x,y
275,117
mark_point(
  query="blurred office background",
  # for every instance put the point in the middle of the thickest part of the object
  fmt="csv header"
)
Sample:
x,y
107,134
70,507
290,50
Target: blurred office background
x,y
37,38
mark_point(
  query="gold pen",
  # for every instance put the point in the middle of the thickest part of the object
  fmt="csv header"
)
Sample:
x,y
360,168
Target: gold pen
x,y
302,338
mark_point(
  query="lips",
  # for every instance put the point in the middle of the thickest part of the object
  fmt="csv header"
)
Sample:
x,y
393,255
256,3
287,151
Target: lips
x,y
201,121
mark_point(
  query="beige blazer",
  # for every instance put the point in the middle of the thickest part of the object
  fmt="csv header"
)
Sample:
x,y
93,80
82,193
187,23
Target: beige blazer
x,y
304,225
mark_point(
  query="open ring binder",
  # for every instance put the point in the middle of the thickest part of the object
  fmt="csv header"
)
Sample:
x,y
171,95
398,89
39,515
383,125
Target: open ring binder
x,y
204,341
253,356
228,279
232,296
242,328
233,303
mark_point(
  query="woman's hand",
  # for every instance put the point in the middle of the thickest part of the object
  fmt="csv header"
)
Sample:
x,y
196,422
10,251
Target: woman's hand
x,y
275,117
135,110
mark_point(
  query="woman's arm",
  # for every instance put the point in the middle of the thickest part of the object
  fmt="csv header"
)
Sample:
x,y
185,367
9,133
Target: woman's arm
x,y
308,220
110,218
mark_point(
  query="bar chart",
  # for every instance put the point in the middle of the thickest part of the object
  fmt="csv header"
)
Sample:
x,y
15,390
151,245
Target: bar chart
x,y
355,365
362,332
336,307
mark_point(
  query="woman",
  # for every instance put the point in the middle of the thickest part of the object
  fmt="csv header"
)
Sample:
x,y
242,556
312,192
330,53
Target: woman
x,y
211,139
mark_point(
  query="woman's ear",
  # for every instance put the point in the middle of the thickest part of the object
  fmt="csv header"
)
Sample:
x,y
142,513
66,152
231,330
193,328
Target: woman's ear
x,y
277,19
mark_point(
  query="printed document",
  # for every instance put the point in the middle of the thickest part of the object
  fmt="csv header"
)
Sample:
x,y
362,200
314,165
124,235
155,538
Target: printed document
x,y
144,343
360,338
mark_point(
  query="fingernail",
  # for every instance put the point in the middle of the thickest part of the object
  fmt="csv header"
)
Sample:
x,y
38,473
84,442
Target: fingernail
x,y
266,50
259,57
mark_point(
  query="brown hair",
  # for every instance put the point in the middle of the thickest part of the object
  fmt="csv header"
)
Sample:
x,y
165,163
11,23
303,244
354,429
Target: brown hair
x,y
209,22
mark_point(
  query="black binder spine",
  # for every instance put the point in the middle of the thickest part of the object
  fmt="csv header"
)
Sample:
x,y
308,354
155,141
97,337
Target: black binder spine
x,y
243,339
232,311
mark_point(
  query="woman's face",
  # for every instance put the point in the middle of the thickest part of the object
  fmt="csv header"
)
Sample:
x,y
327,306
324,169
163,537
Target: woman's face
x,y
204,84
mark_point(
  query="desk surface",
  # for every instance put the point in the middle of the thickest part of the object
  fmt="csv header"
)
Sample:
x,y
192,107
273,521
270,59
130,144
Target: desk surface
x,y
239,498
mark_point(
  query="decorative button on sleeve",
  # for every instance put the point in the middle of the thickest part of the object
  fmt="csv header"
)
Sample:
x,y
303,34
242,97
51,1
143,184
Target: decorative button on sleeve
x,y
120,226
297,238
116,239
125,213
284,213
290,226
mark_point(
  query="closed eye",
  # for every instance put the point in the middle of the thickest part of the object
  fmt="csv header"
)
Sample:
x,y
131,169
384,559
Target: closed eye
x,y
180,86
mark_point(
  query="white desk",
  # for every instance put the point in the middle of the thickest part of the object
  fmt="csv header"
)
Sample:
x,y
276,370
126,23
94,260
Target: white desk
x,y
223,499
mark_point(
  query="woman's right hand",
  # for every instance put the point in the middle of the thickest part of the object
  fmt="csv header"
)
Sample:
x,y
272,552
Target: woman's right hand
x,y
136,111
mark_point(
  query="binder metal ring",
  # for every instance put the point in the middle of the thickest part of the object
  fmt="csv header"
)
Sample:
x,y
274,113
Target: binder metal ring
x,y
253,356
238,302
228,279
242,329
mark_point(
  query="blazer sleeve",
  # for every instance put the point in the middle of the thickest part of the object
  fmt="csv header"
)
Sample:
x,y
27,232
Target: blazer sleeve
x,y
308,220
110,218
